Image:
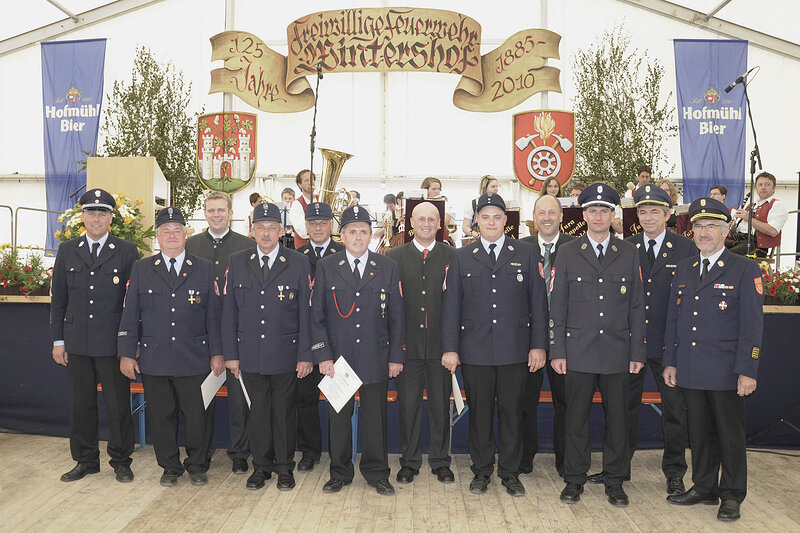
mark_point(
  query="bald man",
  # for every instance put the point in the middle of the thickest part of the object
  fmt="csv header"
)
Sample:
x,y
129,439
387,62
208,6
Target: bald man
x,y
423,265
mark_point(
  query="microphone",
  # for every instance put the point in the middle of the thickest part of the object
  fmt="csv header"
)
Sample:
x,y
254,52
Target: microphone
x,y
319,70
135,148
739,80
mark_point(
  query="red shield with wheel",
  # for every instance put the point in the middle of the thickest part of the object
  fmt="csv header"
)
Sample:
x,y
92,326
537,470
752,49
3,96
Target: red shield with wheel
x,y
544,147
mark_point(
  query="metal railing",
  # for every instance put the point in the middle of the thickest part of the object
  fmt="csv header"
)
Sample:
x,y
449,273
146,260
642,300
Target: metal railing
x,y
16,225
11,218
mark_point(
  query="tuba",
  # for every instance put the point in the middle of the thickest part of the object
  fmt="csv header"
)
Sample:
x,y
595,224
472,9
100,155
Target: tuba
x,y
333,162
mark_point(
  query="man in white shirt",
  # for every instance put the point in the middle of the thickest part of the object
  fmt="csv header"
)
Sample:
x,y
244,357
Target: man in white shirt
x,y
769,216
297,213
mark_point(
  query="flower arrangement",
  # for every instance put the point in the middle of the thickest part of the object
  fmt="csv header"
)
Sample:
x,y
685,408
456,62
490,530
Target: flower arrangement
x,y
126,224
785,286
28,276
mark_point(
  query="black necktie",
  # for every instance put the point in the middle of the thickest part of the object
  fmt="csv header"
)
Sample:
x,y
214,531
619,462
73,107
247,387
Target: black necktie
x,y
265,268
492,255
356,272
705,269
172,272
600,255
95,250
318,251
651,254
547,267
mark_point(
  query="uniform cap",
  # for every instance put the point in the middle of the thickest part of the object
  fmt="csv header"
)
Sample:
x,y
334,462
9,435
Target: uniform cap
x,y
652,195
170,214
97,199
599,194
709,208
267,211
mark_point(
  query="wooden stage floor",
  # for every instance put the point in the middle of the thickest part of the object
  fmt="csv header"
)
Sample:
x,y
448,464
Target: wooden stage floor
x,y
32,498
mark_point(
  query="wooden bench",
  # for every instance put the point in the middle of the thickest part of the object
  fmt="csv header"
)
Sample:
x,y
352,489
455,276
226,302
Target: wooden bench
x,y
138,404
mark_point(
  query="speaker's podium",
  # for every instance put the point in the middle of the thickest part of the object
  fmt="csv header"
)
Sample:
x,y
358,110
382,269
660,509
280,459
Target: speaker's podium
x,y
136,177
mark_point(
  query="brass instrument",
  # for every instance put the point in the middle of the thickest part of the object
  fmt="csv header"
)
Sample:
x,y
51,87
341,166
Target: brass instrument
x,y
333,162
733,235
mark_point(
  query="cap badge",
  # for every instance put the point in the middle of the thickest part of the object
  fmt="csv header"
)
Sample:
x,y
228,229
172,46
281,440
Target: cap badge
x,y
169,212
647,189
599,188
355,210
703,202
97,193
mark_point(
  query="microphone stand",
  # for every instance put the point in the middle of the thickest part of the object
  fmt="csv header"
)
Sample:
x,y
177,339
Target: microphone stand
x,y
755,155
314,129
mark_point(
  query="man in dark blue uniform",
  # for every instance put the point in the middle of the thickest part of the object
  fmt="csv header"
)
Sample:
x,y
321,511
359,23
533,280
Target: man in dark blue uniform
x,y
216,244
713,336
548,215
266,342
597,339
659,253
88,287
494,326
319,225
357,313
170,334
423,265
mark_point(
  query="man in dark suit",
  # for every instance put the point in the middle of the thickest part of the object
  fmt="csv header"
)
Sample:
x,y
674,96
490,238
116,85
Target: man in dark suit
x,y
659,253
357,313
495,326
319,225
423,264
597,338
266,342
713,336
216,244
88,287
170,334
548,215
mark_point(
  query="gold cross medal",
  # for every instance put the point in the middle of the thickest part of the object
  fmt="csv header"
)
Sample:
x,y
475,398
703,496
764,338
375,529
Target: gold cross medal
x,y
192,298
280,294
383,296
383,309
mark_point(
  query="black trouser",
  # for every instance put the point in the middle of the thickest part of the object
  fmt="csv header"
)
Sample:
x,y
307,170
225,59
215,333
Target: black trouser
x,y
309,434
578,451
410,384
673,419
374,465
165,395
271,424
717,421
83,374
530,431
739,246
237,421
482,385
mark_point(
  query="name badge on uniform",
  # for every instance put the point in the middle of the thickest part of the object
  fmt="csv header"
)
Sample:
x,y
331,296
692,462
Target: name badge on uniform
x,y
192,298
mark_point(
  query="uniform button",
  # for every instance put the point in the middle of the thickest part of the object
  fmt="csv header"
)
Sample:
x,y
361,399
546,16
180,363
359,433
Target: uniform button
x,y
91,286
421,308
601,296
601,314
91,273
568,334
494,306
91,316
695,313
696,297
358,309
423,277
462,327
262,292
173,295
173,338
216,262
217,278
494,321
648,293
262,306
173,324
262,321
204,342
173,309
262,335
494,290
358,340
493,276
600,280
358,294
649,280
694,328
145,345
647,307
647,321
694,344
423,292
91,301
421,326
601,332
358,325
149,291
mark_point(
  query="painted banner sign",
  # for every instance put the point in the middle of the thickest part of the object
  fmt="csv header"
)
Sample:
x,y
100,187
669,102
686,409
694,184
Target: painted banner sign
x,y
72,91
543,147
385,40
712,123
226,150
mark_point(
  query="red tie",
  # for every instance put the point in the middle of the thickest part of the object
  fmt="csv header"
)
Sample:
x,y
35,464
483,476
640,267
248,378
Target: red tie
x,y
425,254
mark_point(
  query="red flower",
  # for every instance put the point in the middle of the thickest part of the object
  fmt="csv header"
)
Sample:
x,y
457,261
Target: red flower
x,y
773,290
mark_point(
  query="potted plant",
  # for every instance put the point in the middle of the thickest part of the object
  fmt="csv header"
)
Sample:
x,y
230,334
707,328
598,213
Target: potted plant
x,y
780,288
27,275
126,224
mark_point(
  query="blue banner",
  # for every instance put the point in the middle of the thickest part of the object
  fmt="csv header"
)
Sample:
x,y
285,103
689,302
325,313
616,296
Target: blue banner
x,y
72,90
712,123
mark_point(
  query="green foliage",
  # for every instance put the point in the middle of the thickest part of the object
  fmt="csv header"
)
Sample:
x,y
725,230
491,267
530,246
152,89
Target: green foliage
x,y
153,105
621,118
27,274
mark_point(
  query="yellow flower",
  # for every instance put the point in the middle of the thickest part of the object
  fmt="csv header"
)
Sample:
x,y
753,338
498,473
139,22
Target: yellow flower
x,y
57,234
128,220
139,202
122,195
67,233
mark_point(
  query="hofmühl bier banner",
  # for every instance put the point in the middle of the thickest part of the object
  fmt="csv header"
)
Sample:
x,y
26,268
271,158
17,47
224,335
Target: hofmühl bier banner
x,y
385,40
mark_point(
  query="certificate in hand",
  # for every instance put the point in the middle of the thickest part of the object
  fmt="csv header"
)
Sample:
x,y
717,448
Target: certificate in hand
x,y
342,386
210,387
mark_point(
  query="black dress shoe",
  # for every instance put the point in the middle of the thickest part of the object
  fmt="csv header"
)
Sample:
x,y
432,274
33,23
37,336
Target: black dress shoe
x,y
616,496
382,487
513,486
123,473
597,478
306,464
444,474
198,479
571,493
479,484
334,485
692,497
239,465
257,479
285,481
169,479
406,475
675,486
728,511
79,472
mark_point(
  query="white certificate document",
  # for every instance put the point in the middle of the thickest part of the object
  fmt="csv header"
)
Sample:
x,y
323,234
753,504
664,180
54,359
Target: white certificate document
x,y
210,387
457,399
244,389
342,386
